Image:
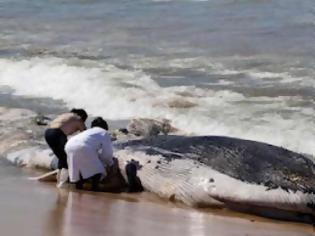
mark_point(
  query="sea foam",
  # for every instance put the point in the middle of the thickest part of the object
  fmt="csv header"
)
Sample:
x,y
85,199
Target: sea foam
x,y
116,93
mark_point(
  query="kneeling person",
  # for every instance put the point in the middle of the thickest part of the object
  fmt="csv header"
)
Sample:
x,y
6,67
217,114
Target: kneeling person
x,y
90,154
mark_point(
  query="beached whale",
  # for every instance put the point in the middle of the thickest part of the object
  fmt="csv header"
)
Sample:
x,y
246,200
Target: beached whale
x,y
216,171
212,170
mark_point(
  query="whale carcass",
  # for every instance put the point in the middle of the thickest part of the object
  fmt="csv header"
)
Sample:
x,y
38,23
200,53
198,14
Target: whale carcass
x,y
213,170
216,171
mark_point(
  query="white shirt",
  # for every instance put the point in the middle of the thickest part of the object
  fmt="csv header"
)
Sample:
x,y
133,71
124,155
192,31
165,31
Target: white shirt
x,y
88,152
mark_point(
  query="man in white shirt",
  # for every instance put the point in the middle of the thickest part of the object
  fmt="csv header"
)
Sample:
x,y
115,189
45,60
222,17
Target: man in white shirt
x,y
90,154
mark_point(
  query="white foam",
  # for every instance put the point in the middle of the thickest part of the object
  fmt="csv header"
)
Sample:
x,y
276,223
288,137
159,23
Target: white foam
x,y
214,67
116,93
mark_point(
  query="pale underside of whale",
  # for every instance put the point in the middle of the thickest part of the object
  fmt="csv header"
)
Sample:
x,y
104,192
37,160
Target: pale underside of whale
x,y
215,171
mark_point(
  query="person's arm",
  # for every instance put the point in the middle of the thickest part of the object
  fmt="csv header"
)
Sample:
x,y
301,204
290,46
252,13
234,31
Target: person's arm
x,y
81,125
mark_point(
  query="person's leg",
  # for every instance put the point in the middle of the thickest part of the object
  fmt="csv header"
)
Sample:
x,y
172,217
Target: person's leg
x,y
56,140
79,184
60,152
95,181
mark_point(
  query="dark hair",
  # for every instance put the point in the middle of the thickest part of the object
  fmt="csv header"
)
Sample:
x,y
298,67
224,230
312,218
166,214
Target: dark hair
x,y
99,122
80,112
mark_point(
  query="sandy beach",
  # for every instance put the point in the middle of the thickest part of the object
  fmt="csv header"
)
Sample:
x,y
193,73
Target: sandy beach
x,y
34,208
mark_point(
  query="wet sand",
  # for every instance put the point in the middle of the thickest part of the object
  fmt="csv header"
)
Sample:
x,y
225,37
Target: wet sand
x,y
35,208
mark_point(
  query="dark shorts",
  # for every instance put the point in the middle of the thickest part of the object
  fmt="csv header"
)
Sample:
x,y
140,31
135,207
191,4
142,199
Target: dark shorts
x,y
57,140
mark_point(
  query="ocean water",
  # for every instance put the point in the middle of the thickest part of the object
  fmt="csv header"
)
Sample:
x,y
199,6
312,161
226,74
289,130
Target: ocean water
x,y
219,67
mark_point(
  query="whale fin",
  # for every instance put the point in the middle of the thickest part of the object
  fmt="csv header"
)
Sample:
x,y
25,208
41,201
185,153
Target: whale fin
x,y
50,176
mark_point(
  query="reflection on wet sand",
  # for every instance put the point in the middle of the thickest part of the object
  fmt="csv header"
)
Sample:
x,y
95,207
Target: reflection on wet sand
x,y
86,213
34,208
56,216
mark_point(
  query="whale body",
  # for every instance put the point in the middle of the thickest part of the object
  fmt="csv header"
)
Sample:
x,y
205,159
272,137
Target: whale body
x,y
215,171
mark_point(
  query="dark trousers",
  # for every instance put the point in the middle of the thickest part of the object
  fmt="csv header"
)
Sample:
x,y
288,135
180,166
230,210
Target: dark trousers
x,y
95,181
56,140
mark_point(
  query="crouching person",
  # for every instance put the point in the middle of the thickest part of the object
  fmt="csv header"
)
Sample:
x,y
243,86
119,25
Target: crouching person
x,y
90,155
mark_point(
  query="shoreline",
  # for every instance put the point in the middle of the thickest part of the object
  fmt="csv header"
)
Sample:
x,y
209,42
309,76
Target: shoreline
x,y
65,209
